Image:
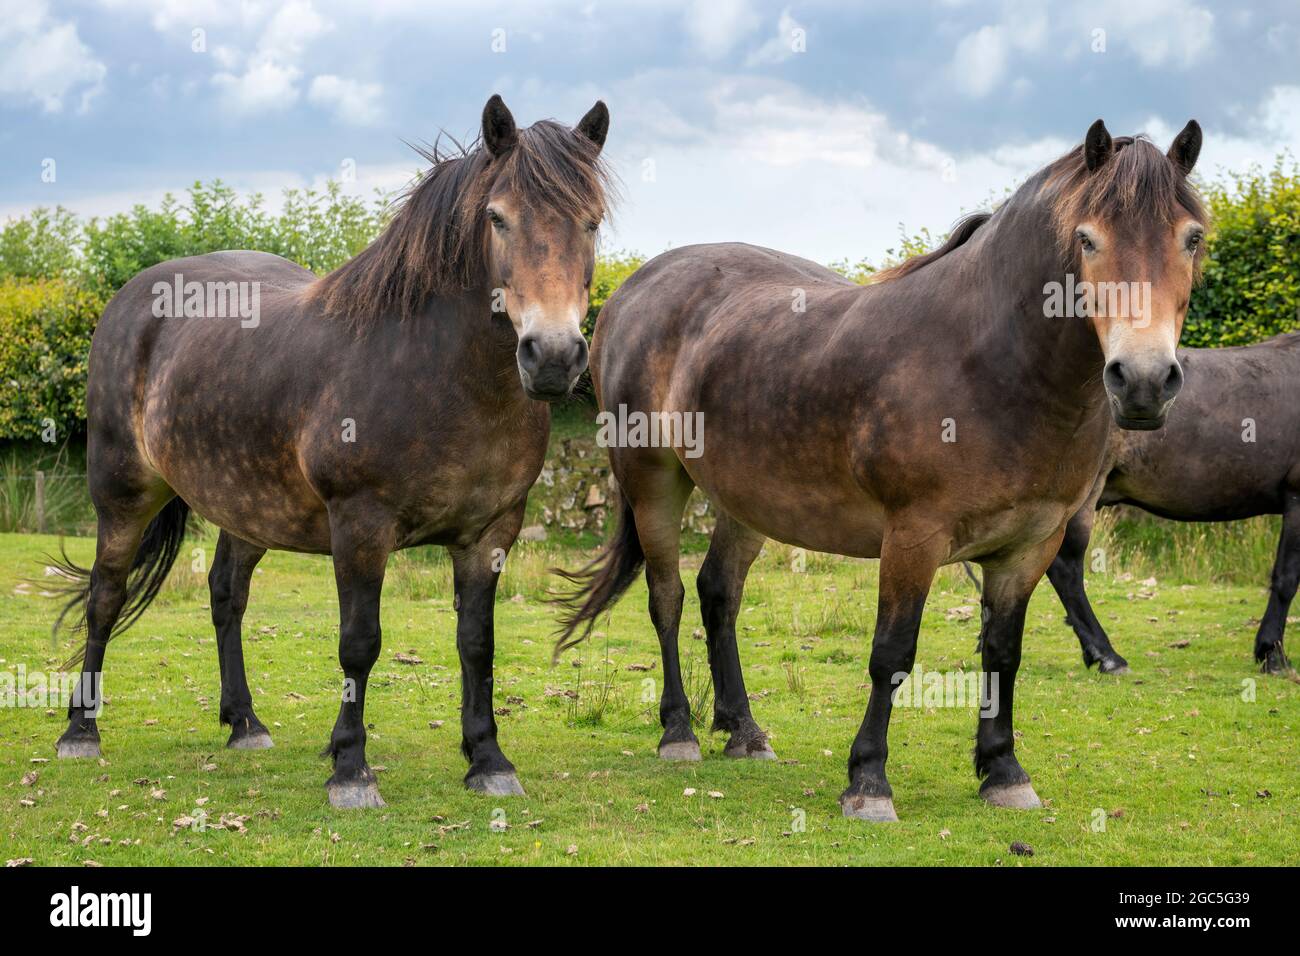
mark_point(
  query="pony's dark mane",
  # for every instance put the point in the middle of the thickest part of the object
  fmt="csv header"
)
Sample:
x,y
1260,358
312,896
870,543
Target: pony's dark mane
x,y
1137,177
436,241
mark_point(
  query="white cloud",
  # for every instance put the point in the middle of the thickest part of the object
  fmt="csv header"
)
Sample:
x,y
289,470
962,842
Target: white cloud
x,y
353,102
782,46
716,26
179,17
269,82
1157,33
43,60
265,86
980,61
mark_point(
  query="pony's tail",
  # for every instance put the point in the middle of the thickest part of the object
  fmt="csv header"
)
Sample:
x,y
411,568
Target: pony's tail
x,y
159,547
600,583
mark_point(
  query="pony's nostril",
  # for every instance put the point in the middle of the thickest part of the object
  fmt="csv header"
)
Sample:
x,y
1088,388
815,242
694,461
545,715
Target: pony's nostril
x,y
1113,376
1173,382
530,353
578,354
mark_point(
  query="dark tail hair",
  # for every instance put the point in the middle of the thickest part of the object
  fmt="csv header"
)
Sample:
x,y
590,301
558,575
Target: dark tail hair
x,y
600,583
970,573
159,547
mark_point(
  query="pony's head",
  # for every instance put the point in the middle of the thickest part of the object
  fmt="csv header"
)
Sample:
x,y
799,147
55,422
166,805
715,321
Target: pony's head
x,y
543,201
514,216
1133,229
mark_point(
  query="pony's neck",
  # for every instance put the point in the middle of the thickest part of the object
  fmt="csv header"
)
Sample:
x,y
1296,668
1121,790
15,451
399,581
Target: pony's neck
x,y
1016,257
462,331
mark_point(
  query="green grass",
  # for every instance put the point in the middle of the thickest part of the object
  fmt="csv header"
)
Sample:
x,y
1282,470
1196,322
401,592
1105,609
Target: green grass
x,y
1172,758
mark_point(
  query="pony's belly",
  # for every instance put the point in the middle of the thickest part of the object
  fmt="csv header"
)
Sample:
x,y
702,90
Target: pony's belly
x,y
818,519
277,515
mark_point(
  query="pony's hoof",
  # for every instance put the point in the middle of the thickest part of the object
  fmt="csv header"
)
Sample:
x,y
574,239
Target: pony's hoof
x,y
78,747
752,748
1275,662
871,809
680,750
257,740
496,784
354,795
1112,665
1013,796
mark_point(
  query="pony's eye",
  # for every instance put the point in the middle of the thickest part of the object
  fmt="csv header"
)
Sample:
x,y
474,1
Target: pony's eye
x,y
593,226
1194,241
1084,241
495,218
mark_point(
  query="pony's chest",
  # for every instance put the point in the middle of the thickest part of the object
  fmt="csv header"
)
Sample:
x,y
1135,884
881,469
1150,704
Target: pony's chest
x,y
474,484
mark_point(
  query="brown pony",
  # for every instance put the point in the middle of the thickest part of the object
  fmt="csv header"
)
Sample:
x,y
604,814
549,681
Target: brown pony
x,y
943,413
399,401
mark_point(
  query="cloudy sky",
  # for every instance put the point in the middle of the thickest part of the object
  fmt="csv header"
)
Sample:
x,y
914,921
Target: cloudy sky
x,y
816,127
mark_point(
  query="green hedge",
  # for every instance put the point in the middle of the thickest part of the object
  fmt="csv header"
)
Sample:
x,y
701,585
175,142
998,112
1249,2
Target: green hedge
x,y
45,329
1251,287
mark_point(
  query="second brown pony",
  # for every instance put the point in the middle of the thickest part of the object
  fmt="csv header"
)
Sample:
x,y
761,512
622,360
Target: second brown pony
x,y
941,414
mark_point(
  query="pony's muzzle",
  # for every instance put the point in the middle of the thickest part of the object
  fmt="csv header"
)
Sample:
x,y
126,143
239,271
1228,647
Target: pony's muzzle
x,y
1141,391
550,363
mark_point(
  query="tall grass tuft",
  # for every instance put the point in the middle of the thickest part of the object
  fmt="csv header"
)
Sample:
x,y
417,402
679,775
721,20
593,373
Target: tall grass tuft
x,y
67,502
1128,541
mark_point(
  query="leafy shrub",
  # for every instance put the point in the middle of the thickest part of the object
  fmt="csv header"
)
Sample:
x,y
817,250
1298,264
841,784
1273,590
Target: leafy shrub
x,y
45,329
319,229
612,271
1251,289
44,245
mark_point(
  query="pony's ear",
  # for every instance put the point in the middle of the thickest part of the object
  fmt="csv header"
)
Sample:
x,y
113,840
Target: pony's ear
x,y
595,125
1096,146
499,130
1186,147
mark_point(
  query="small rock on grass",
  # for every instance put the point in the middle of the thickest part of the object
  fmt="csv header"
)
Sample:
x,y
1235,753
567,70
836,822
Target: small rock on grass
x,y
1022,849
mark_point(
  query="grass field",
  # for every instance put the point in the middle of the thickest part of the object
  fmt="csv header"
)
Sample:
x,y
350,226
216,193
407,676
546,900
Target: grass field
x,y
1173,764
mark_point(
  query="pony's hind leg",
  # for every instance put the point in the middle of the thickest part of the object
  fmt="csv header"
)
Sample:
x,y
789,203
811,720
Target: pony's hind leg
x,y
721,585
116,544
228,582
1066,575
1282,588
908,560
476,569
658,497
1007,589
360,539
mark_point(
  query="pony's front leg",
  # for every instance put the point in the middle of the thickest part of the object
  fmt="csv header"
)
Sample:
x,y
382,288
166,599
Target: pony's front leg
x,y
475,572
908,560
360,541
1007,589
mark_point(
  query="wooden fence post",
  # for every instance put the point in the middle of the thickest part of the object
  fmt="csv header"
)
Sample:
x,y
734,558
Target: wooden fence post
x,y
40,502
